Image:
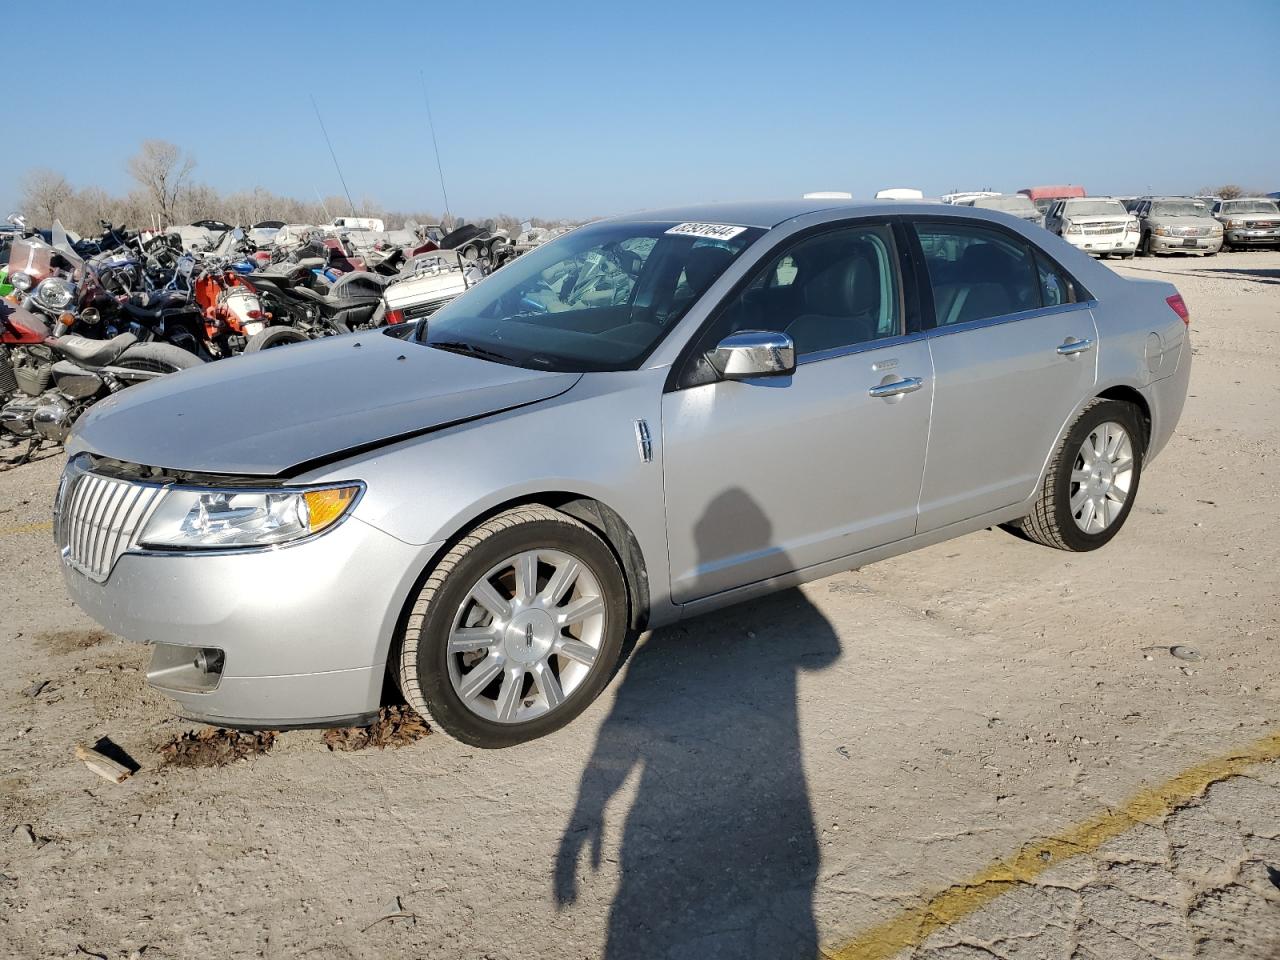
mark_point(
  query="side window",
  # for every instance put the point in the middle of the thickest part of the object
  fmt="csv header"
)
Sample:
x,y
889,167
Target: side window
x,y
833,290
977,273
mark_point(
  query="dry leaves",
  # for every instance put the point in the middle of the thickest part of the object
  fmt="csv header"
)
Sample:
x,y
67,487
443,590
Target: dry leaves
x,y
396,726
214,747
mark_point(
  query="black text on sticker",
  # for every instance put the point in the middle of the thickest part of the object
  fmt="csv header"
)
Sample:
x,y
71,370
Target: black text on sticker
x,y
709,231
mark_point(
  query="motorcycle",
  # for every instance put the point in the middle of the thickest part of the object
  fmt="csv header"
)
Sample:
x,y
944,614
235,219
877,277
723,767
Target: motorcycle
x,y
47,382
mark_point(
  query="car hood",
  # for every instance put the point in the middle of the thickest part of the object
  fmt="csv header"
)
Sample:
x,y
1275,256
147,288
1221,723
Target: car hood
x,y
1100,218
1248,216
275,412
1167,221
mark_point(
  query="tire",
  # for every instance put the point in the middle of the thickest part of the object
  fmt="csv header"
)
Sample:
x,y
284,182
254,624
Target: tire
x,y
157,358
434,680
274,337
1052,522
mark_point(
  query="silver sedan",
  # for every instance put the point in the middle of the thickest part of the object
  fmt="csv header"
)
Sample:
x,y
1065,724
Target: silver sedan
x,y
647,418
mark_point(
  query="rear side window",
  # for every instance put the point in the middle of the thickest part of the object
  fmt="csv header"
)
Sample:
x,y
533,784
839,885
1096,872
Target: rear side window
x,y
977,273
1055,288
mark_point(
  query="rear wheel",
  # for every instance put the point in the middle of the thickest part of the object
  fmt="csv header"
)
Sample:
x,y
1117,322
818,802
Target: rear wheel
x,y
274,337
516,630
157,358
1092,480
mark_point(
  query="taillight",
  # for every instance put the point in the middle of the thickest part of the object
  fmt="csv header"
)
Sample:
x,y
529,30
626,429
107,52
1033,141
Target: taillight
x,y
395,316
255,314
1179,306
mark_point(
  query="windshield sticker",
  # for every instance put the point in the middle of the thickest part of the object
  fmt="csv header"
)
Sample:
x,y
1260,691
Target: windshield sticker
x,y
709,231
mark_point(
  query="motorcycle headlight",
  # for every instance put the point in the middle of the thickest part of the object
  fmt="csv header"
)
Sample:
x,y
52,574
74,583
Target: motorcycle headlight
x,y
21,282
194,519
55,294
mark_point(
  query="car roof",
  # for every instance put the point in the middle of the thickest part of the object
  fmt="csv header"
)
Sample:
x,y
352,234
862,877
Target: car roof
x,y
770,213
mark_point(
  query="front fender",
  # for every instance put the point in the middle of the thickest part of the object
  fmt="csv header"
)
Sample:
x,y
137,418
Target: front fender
x,y
582,444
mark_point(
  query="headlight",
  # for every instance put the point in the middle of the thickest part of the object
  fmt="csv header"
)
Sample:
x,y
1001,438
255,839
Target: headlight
x,y
55,294
1070,227
1162,231
1235,224
210,519
1215,230
21,282
1133,226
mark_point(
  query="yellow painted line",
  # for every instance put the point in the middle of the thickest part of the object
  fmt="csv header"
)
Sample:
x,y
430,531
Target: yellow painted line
x,y
910,927
38,527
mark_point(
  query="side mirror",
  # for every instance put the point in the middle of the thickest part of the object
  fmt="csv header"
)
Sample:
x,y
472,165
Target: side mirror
x,y
754,353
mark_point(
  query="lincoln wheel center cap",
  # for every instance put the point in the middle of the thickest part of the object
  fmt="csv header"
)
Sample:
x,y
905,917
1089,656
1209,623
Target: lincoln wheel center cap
x,y
529,636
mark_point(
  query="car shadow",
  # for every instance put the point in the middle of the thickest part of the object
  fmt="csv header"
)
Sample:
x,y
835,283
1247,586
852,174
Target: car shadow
x,y
719,854
1255,274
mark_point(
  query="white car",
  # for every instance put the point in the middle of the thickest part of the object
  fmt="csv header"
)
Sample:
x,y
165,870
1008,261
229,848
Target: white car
x,y
433,280
1099,226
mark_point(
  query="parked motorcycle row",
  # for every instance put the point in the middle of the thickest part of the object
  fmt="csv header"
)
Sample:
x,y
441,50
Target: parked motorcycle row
x,y
83,318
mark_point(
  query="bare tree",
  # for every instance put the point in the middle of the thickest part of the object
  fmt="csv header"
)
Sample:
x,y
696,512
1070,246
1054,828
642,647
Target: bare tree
x,y
45,193
162,169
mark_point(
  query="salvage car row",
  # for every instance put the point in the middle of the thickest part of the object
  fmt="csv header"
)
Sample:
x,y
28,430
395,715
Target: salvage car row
x,y
1147,226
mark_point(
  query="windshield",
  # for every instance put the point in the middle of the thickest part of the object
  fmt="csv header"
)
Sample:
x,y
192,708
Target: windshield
x,y
1179,208
1019,205
598,298
1249,206
1094,208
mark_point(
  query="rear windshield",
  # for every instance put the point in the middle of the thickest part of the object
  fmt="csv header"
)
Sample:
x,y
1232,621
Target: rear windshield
x,y
1249,206
598,298
1019,206
1094,208
1179,208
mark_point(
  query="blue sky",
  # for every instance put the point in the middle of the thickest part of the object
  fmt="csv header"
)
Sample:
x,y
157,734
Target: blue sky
x,y
579,109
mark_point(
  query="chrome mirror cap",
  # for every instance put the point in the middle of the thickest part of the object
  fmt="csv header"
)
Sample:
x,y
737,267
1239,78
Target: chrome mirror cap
x,y
754,353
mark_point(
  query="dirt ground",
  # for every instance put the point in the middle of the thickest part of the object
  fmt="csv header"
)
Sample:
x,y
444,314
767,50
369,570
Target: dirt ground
x,y
829,771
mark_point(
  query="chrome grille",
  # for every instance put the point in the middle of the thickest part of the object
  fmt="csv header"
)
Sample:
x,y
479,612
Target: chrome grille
x,y
1189,231
97,518
1104,228
1263,224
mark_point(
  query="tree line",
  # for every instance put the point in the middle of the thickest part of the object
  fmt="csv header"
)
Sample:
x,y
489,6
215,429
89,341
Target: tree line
x,y
166,194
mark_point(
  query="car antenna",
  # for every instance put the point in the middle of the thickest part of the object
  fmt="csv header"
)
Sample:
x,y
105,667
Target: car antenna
x,y
336,165
432,127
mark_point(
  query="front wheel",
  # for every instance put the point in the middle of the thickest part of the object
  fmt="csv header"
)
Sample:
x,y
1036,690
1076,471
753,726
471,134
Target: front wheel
x,y
1092,480
516,630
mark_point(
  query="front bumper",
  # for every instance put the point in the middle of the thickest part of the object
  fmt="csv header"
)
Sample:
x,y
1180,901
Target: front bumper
x,y
1246,237
1104,243
1161,244
303,631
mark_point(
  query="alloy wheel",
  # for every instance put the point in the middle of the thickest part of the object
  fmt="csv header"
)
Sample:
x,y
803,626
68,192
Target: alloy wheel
x,y
1101,477
526,636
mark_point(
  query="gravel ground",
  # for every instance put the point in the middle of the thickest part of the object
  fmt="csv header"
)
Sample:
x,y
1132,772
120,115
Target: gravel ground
x,y
785,777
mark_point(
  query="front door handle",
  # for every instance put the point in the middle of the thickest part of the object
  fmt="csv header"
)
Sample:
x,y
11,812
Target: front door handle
x,y
896,388
1072,347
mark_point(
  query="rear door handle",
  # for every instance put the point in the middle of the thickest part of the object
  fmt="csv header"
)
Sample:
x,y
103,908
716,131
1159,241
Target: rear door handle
x,y
897,388
1072,347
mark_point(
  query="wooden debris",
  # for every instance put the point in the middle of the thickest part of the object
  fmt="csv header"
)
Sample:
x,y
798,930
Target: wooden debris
x,y
103,766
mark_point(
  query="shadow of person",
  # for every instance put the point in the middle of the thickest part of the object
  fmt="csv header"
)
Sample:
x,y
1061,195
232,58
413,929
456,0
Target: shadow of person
x,y
719,853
